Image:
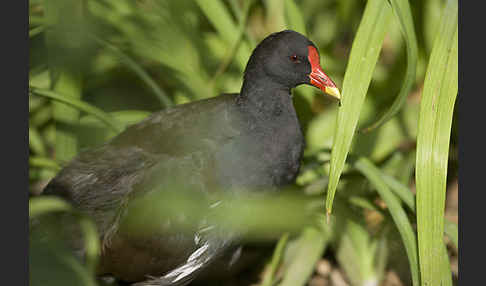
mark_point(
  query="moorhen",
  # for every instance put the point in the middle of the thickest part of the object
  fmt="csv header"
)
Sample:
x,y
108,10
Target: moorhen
x,y
251,141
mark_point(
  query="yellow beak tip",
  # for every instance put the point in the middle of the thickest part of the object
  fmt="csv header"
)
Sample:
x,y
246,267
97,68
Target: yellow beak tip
x,y
334,92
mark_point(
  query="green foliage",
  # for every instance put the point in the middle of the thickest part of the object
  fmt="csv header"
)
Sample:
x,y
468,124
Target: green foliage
x,y
301,260
98,66
362,61
435,121
397,212
44,205
404,15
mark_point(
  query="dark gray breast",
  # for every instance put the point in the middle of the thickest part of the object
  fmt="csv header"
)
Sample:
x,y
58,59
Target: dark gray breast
x,y
215,144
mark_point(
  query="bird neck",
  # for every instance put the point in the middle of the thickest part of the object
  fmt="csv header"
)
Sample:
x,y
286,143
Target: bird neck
x,y
265,95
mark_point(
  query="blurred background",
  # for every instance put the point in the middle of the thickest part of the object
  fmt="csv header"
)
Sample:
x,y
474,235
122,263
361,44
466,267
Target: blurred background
x,y
97,66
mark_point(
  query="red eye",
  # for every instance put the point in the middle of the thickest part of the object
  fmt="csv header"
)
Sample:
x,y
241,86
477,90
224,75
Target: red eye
x,y
294,58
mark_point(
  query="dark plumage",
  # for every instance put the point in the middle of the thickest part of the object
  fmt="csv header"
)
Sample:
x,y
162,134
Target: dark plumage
x,y
251,141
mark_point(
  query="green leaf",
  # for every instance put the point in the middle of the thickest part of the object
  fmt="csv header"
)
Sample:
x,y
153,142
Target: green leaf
x,y
41,116
401,191
81,106
406,195
309,247
362,61
66,79
123,117
277,256
43,162
401,9
46,204
37,30
69,85
235,46
397,212
36,144
294,18
432,10
274,15
436,110
220,17
357,249
139,71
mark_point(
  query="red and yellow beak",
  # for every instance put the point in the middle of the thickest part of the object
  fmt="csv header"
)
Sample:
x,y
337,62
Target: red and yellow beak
x,y
318,78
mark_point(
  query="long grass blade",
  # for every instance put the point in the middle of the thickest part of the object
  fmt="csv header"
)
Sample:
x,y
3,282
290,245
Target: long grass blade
x,y
81,106
65,79
69,85
230,55
139,71
219,16
123,117
401,191
277,256
311,244
364,55
402,11
436,109
406,195
397,212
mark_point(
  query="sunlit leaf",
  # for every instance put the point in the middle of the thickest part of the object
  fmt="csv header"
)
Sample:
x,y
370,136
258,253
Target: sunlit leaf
x,y
401,9
436,109
362,60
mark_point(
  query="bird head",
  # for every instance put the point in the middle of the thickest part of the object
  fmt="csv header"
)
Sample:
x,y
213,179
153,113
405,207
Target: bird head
x,y
290,59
